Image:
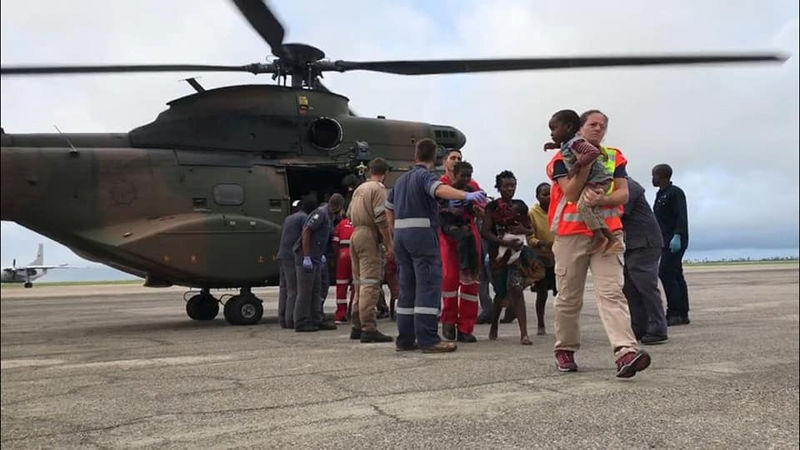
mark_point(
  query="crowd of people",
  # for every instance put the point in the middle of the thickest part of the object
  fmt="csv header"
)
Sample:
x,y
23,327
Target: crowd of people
x,y
440,242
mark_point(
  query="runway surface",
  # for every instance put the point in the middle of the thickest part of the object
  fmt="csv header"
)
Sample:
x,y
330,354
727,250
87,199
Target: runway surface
x,y
122,366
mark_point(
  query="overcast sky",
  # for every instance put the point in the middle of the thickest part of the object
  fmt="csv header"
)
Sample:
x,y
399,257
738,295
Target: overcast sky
x,y
730,132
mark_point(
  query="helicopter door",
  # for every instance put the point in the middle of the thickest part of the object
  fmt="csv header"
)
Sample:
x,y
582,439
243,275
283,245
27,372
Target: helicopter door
x,y
244,208
269,193
258,223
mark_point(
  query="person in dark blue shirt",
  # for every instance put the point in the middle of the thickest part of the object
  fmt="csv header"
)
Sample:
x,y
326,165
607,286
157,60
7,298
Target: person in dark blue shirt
x,y
310,261
413,214
670,211
291,230
643,246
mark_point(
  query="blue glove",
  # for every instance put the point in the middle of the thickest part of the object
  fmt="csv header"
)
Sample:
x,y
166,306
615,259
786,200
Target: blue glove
x,y
323,259
308,266
477,197
675,243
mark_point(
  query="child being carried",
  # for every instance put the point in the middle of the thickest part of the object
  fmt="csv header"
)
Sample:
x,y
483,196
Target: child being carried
x,y
455,217
529,264
577,153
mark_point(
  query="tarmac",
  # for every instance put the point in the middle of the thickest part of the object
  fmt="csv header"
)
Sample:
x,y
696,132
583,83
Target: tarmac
x,y
123,366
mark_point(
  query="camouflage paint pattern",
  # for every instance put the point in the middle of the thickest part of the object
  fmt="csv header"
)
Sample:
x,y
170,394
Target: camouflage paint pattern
x,y
144,202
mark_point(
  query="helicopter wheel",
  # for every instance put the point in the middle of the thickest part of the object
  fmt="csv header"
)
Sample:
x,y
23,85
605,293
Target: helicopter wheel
x,y
243,309
28,284
202,307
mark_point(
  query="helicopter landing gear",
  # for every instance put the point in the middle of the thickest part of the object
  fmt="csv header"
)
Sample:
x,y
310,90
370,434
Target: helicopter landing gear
x,y
243,309
28,284
202,306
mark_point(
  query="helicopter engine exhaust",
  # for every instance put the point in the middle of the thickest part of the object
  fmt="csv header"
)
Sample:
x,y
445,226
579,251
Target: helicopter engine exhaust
x,y
325,133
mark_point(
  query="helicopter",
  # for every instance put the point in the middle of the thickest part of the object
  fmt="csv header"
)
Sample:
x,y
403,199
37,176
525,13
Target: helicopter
x,y
197,197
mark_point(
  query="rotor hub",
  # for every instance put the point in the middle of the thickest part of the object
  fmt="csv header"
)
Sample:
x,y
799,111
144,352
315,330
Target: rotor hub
x,y
298,61
300,54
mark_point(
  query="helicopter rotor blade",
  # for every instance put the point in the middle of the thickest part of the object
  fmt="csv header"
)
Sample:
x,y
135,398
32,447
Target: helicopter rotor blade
x,y
492,65
54,70
265,23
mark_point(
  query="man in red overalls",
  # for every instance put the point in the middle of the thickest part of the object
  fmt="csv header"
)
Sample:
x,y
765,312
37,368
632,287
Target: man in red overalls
x,y
459,300
390,279
344,271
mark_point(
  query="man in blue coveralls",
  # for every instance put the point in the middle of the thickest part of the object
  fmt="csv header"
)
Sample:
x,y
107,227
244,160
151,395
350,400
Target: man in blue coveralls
x,y
291,231
413,212
310,251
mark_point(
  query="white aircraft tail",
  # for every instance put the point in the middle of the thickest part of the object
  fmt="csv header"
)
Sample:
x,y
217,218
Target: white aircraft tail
x,y
39,257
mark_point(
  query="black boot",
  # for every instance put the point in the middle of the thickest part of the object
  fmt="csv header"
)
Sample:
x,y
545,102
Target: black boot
x,y
673,321
374,336
466,337
327,325
449,331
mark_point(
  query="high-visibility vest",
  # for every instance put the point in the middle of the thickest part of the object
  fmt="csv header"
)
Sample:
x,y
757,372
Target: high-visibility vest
x,y
563,215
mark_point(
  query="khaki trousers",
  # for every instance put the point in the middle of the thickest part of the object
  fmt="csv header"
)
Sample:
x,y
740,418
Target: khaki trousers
x,y
365,257
572,263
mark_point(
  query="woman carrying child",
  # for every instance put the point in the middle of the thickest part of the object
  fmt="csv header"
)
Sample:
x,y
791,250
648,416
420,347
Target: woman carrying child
x,y
514,266
575,255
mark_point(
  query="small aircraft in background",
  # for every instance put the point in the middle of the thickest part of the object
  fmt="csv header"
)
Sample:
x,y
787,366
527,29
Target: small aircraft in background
x,y
32,271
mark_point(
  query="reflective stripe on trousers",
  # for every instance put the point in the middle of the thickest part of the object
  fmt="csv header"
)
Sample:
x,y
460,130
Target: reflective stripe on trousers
x,y
461,310
420,275
413,222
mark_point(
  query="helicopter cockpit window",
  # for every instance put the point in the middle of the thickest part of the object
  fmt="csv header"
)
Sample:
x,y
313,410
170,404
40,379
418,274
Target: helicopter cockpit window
x,y
228,194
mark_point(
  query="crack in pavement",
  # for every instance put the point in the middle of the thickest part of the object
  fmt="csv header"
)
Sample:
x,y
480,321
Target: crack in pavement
x,y
367,397
70,391
86,430
386,414
273,407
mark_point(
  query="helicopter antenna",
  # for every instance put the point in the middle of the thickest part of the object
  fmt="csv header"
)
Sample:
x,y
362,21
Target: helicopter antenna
x,y
195,84
74,150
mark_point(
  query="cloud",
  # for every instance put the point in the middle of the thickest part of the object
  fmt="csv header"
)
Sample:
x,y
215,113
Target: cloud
x,y
729,131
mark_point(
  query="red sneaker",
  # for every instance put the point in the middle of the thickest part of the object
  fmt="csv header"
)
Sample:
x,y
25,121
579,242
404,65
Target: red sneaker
x,y
565,361
632,362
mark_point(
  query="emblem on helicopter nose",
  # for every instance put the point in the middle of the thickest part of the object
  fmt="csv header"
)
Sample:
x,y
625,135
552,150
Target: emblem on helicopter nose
x,y
302,104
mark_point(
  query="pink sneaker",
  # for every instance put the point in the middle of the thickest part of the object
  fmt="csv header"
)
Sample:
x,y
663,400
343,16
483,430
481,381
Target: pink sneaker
x,y
565,361
632,362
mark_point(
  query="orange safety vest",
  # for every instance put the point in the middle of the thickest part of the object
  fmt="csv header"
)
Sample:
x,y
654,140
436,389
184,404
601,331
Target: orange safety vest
x,y
563,216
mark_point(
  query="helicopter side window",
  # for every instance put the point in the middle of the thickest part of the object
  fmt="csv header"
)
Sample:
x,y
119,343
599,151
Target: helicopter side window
x,y
228,194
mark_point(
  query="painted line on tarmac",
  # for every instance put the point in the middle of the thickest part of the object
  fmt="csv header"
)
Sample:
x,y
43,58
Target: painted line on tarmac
x,y
17,363
150,362
124,363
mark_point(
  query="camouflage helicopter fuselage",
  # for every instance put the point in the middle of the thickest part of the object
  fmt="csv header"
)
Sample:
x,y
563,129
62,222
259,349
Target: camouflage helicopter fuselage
x,y
197,197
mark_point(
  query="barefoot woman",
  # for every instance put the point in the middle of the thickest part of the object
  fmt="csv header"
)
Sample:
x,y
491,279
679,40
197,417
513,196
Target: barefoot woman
x,y
502,227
